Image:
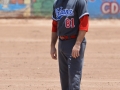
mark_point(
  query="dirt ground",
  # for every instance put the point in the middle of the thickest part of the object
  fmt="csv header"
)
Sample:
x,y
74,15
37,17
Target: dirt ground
x,y
25,62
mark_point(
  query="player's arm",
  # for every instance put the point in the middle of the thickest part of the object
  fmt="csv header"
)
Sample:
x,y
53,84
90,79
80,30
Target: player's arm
x,y
83,28
54,40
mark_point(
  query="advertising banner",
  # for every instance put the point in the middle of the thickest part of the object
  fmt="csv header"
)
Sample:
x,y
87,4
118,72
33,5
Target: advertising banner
x,y
104,8
43,8
14,8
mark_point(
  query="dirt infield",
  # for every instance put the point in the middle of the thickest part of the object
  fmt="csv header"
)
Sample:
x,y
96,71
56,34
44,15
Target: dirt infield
x,y
25,62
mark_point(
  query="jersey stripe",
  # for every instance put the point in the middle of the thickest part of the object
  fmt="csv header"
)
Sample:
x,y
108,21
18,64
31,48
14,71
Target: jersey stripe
x,y
83,15
54,18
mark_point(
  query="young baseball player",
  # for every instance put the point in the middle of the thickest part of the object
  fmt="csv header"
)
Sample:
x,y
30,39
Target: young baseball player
x,y
70,24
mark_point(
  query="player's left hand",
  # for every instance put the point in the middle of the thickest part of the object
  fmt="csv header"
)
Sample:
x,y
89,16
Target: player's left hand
x,y
75,51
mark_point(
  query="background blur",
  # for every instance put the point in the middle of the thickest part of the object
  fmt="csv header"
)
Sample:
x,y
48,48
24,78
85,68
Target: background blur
x,y
43,8
25,61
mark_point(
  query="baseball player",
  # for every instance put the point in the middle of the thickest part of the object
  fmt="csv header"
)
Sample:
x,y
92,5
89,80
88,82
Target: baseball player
x,y
70,24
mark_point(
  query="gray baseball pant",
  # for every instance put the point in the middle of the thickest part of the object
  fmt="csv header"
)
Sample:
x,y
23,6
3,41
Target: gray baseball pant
x,y
70,69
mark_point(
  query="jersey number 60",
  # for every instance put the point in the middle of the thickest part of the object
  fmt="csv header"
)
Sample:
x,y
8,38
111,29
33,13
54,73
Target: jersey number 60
x,y
69,23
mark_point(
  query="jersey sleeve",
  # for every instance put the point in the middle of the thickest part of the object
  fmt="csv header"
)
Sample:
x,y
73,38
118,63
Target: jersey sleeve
x,y
81,8
54,14
54,26
84,23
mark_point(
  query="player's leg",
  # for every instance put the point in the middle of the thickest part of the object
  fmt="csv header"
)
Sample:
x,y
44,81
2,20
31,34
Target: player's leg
x,y
63,69
75,69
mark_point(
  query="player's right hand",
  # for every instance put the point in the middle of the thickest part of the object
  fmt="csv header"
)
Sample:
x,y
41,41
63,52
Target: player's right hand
x,y
53,53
